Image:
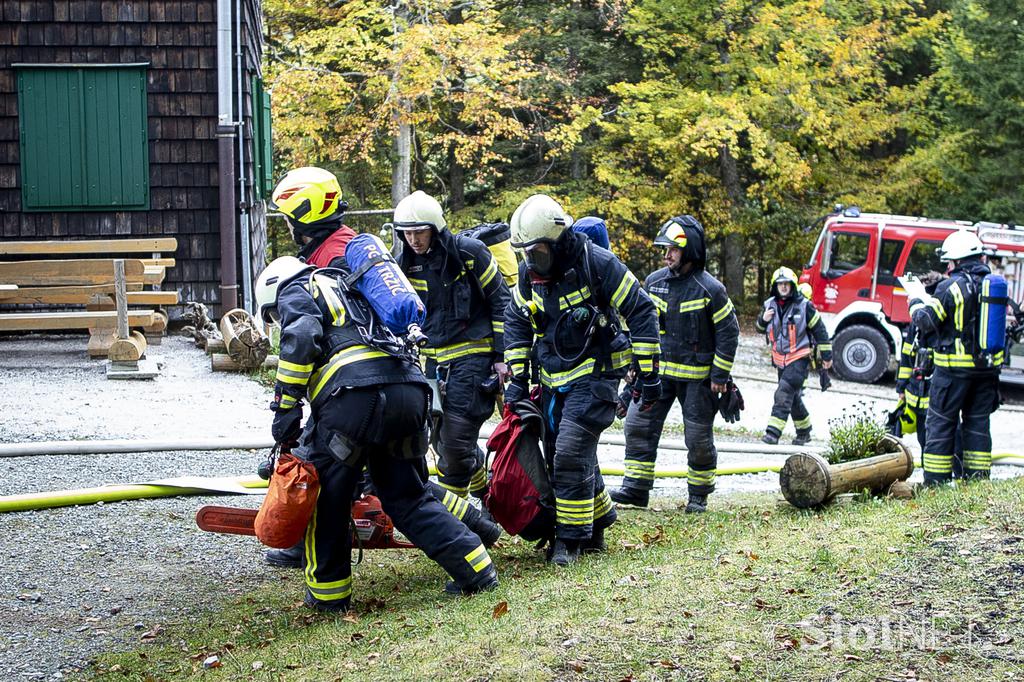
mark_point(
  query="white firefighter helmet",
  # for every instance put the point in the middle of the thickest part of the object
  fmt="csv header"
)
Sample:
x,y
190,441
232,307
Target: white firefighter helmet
x,y
280,271
418,211
959,245
538,219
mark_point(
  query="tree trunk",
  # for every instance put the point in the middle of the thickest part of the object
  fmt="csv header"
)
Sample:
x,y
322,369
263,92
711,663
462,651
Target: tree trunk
x,y
732,245
456,182
401,172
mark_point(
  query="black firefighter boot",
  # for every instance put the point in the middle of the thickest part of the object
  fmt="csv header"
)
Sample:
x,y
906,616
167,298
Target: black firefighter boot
x,y
697,504
802,437
630,496
595,543
483,524
485,583
285,558
564,552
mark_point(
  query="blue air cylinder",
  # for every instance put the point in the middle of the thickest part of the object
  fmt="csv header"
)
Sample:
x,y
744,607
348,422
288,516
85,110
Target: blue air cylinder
x,y
992,314
384,285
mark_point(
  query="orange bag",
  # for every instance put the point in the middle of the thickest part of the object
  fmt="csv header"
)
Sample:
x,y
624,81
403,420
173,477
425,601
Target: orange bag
x,y
291,498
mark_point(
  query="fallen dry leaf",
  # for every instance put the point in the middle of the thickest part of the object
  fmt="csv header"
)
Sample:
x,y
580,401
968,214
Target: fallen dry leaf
x,y
500,609
851,657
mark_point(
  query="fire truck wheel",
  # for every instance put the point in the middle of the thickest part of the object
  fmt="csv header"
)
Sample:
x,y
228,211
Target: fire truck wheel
x,y
861,354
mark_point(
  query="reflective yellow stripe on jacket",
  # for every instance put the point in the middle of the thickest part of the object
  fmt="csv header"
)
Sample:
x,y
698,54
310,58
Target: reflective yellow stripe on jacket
x,y
458,350
346,356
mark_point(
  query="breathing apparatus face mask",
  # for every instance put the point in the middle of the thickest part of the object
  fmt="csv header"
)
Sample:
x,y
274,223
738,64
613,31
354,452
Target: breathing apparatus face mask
x,y
540,259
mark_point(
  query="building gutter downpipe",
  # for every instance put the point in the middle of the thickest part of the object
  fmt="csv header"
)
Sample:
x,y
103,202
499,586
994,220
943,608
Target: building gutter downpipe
x,y
227,130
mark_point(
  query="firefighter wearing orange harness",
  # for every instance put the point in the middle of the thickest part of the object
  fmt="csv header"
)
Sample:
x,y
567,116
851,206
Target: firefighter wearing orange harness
x,y
790,320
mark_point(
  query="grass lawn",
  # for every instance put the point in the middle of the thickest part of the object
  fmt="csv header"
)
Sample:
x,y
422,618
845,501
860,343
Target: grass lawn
x,y
868,590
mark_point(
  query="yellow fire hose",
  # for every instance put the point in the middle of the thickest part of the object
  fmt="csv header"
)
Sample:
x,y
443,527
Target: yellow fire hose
x,y
119,493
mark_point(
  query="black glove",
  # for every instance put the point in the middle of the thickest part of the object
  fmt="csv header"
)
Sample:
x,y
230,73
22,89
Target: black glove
x,y
647,391
518,389
824,379
730,403
287,426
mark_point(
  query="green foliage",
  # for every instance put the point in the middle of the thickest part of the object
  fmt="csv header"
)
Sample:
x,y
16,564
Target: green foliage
x,y
755,116
855,435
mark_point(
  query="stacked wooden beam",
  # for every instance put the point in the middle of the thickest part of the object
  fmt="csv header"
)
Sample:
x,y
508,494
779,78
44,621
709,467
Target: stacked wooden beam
x,y
70,274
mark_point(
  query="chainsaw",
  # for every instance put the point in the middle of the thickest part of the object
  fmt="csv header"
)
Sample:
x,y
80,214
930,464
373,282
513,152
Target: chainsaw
x,y
371,527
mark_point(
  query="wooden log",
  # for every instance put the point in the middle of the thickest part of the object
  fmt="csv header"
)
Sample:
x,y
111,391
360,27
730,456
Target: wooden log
x,y
808,480
130,349
215,346
76,319
100,341
145,245
222,362
243,338
68,272
159,325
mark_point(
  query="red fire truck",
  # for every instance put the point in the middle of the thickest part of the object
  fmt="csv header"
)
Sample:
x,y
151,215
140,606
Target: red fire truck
x,y
853,275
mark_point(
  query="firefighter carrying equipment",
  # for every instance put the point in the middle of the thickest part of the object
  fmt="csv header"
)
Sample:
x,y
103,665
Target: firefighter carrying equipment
x,y
954,315
377,276
310,199
288,506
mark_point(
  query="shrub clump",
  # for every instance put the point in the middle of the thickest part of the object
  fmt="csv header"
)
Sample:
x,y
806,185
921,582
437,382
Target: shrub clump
x,y
855,435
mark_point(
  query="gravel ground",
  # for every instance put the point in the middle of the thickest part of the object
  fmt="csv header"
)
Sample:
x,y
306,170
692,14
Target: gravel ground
x,y
78,581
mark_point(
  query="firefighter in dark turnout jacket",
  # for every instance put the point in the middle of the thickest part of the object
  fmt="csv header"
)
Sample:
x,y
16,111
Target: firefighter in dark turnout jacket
x,y
465,297
699,336
568,300
789,320
368,408
965,384
310,200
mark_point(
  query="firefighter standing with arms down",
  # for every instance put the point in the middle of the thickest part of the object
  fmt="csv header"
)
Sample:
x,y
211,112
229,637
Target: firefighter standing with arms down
x,y
699,336
465,297
369,408
569,299
790,320
965,383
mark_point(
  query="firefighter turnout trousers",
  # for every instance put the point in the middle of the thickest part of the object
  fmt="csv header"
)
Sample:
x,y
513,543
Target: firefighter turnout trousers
x,y
969,400
788,400
384,429
576,415
643,434
465,408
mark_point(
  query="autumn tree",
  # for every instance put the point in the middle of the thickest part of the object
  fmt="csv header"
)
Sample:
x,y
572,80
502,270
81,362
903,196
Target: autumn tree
x,y
755,116
369,85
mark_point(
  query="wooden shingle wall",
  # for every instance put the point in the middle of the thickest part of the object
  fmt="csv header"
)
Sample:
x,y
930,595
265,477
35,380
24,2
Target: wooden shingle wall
x,y
178,40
